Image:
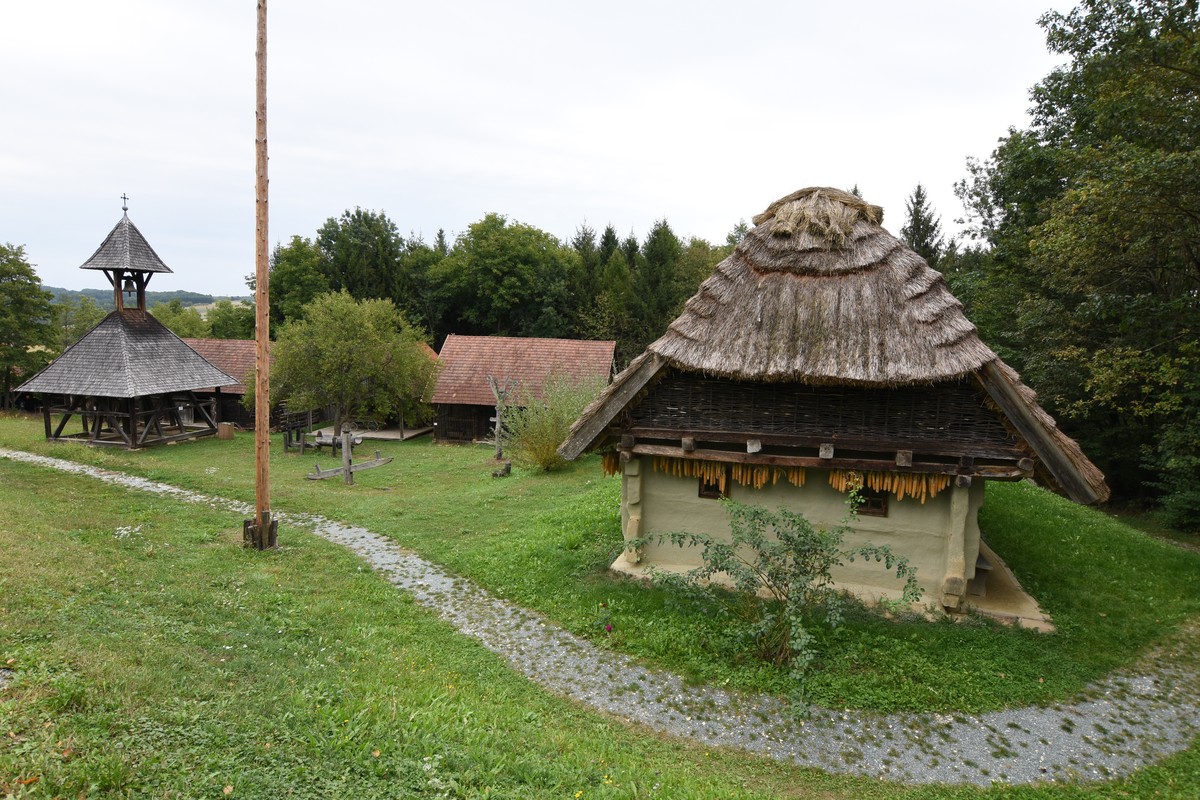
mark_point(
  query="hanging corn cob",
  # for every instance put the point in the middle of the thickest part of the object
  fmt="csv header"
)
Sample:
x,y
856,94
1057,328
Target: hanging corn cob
x,y
902,484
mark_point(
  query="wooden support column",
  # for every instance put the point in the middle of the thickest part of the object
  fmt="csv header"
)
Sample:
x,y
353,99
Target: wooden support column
x,y
115,280
132,423
631,504
954,582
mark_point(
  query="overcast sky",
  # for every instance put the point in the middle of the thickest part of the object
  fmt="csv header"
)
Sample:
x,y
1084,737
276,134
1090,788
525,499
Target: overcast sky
x,y
550,113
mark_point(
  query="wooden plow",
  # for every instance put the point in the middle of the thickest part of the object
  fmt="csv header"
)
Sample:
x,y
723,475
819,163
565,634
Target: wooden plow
x,y
348,467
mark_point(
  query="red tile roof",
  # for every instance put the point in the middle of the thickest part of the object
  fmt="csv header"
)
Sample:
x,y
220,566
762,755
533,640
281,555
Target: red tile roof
x,y
235,357
467,361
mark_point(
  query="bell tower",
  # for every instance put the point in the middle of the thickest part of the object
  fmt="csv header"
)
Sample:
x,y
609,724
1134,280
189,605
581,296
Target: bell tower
x,y
128,261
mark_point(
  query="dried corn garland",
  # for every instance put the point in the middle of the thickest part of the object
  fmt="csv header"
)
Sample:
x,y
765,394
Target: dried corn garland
x,y
845,480
711,471
756,475
795,475
902,484
611,463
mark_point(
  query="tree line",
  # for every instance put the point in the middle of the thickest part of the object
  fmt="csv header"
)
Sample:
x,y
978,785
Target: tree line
x,y
500,277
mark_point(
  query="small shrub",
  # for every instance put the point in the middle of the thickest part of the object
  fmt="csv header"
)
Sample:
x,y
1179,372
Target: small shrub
x,y
533,431
782,553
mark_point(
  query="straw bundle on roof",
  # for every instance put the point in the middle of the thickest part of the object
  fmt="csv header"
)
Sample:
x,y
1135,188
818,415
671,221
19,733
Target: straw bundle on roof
x,y
827,215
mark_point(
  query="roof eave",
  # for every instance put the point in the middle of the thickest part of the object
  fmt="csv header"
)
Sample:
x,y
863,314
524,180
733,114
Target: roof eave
x,y
1076,476
615,397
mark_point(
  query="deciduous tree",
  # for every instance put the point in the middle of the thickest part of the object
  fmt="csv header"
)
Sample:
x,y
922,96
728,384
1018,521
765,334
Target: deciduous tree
x,y
358,357
297,276
229,321
183,321
75,317
26,334
508,278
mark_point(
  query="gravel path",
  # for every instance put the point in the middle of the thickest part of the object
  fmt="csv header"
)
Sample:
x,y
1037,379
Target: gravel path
x,y
1129,720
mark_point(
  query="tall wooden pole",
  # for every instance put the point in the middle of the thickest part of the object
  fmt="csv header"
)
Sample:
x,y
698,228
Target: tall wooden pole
x,y
262,534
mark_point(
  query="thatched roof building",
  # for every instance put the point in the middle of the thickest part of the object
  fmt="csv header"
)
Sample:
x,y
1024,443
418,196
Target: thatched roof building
x,y
823,342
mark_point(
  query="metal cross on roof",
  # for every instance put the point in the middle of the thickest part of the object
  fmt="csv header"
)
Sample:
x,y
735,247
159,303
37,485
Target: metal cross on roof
x,y
124,202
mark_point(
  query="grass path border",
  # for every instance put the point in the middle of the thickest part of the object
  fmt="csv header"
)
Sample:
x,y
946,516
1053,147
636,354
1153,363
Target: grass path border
x,y
1129,720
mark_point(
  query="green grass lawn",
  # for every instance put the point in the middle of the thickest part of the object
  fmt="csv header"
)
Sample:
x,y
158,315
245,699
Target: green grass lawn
x,y
545,541
154,657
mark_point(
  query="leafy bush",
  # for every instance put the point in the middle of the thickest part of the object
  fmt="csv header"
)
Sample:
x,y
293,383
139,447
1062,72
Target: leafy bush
x,y
779,566
534,430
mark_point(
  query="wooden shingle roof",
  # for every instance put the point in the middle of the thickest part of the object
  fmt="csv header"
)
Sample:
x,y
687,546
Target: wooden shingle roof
x,y
126,249
129,354
467,361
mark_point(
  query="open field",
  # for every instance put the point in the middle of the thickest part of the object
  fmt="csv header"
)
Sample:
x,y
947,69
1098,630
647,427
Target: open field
x,y
80,591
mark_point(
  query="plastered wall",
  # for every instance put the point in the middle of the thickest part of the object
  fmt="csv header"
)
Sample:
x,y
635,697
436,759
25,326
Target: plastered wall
x,y
940,537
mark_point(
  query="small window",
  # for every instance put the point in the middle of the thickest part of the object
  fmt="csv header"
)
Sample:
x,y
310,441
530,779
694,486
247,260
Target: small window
x,y
711,490
874,503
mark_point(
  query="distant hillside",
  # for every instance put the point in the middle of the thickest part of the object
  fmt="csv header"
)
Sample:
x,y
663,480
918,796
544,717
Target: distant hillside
x,y
104,297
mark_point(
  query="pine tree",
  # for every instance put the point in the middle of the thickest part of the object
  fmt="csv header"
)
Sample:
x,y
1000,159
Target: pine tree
x,y
609,244
923,229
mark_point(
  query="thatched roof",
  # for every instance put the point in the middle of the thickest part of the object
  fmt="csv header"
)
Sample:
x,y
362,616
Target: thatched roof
x,y
819,293
467,361
129,354
126,249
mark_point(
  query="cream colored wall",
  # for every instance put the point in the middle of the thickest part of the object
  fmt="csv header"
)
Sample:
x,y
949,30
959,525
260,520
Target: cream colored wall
x,y
940,538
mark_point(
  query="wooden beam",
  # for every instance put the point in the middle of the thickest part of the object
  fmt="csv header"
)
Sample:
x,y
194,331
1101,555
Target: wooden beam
x,y
999,471
62,423
904,458
632,381
1024,419
879,445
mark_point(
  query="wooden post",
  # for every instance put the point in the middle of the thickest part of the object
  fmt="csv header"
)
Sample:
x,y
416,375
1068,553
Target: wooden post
x,y
261,530
501,392
347,459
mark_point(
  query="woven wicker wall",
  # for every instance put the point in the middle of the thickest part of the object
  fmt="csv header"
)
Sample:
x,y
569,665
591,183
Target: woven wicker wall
x,y
948,412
